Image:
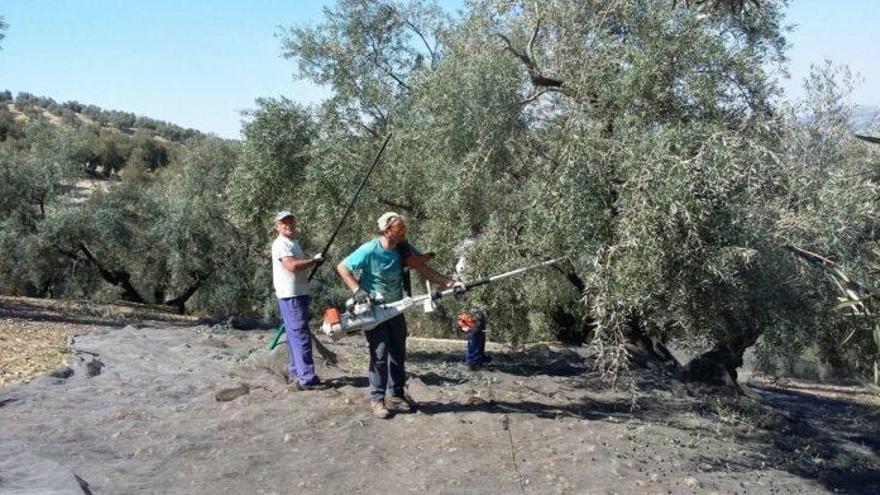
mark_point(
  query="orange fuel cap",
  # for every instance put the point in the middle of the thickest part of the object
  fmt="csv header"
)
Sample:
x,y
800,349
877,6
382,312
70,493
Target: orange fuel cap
x,y
466,320
331,316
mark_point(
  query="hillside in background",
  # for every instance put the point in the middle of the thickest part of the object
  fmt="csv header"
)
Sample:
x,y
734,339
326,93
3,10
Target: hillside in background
x,y
77,114
55,158
103,142
865,117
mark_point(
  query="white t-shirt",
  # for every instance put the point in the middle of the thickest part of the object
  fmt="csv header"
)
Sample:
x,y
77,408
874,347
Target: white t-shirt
x,y
287,283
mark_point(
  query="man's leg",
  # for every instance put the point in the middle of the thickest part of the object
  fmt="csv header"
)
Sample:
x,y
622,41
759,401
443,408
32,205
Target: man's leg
x,y
397,354
480,338
377,338
295,313
479,346
473,348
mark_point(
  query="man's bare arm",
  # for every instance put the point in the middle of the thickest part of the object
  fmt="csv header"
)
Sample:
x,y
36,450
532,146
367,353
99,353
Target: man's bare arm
x,y
294,265
434,276
347,277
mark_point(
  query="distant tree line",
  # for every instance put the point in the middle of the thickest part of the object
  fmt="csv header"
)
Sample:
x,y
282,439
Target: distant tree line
x,y
71,111
109,140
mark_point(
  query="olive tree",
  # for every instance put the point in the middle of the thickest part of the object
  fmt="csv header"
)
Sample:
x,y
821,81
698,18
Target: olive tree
x,y
268,176
833,221
641,139
165,238
637,139
35,170
367,51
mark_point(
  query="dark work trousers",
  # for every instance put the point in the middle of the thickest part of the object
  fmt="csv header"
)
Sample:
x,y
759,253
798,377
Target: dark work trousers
x,y
476,347
476,338
295,312
387,357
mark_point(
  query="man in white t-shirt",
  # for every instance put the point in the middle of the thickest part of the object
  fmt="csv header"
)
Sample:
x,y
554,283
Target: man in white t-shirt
x,y
290,278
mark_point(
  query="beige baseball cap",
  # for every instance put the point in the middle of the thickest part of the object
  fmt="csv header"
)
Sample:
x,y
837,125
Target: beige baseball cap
x,y
387,219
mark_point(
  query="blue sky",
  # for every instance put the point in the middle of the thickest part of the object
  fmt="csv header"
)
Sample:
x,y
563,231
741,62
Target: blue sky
x,y
200,63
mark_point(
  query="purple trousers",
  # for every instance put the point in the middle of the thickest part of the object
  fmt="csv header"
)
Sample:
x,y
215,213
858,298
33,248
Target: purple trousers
x,y
295,313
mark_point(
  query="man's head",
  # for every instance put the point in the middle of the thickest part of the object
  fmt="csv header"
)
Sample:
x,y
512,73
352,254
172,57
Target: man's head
x,y
392,226
285,224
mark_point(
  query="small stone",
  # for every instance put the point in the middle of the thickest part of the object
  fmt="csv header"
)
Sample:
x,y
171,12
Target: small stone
x,y
228,394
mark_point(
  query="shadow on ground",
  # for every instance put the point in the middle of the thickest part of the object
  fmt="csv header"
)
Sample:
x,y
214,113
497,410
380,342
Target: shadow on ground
x,y
546,363
832,442
20,308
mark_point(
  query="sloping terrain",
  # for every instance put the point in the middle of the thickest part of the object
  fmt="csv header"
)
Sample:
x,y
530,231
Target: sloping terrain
x,y
137,411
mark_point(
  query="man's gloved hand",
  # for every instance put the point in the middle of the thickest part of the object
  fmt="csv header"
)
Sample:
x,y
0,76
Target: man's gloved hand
x,y
360,296
318,259
459,290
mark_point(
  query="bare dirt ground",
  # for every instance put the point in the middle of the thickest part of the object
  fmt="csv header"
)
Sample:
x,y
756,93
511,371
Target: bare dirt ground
x,y
34,332
136,411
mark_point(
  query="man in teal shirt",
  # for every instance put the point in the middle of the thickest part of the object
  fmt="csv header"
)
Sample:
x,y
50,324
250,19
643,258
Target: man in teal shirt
x,y
380,264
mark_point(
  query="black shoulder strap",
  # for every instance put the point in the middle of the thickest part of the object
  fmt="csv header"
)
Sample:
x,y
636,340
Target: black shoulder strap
x,y
404,249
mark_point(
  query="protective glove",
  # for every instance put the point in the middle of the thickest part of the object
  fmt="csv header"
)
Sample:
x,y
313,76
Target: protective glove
x,y
360,296
459,290
318,259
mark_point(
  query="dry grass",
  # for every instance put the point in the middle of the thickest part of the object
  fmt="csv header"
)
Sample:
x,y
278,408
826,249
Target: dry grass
x,y
34,332
28,349
85,312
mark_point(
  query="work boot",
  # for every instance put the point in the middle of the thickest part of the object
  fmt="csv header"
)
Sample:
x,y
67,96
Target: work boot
x,y
485,362
295,386
399,404
379,409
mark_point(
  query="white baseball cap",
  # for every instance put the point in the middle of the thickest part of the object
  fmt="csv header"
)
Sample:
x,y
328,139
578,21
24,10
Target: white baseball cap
x,y
281,215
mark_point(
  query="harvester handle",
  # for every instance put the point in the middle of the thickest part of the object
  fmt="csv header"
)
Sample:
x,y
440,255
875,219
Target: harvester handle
x,y
279,331
478,282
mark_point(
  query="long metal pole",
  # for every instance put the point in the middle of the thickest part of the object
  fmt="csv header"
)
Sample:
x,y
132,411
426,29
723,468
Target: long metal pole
x,y
519,270
351,203
488,280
